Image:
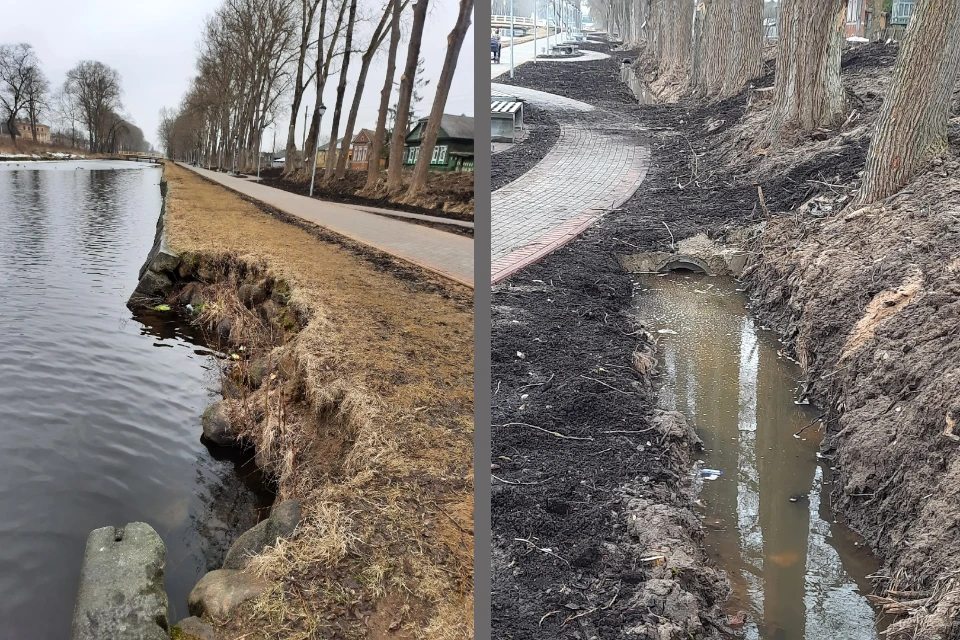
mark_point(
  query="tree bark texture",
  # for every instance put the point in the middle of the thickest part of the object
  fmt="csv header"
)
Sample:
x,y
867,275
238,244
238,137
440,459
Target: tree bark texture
x,y
912,127
807,91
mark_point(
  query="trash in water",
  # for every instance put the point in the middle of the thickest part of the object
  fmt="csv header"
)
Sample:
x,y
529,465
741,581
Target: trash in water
x,y
162,307
189,307
667,331
710,474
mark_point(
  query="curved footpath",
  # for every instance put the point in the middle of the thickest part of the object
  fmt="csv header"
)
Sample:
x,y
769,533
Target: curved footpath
x,y
595,166
445,253
523,52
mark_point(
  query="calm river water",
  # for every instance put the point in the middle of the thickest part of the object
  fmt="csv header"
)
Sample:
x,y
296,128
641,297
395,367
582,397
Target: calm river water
x,y
797,573
99,409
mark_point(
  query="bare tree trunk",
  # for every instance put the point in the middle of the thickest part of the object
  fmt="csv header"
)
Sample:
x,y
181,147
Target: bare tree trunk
x,y
329,167
429,139
323,72
376,146
727,41
807,91
394,171
308,11
375,41
672,26
912,127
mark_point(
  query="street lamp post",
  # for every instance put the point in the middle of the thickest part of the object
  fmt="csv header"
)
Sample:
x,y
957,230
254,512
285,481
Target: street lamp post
x,y
322,110
511,38
535,27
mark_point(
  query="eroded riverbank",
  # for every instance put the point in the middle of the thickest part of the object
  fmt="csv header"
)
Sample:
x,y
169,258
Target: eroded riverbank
x,y
362,412
101,406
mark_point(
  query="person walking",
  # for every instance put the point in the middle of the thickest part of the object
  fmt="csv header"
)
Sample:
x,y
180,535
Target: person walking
x,y
495,45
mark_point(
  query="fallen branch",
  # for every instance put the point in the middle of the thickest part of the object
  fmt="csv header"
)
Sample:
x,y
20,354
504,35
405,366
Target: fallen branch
x,y
555,434
496,477
815,421
673,243
763,202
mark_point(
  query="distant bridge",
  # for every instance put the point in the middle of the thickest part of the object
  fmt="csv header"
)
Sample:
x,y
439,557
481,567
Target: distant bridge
x,y
504,21
138,157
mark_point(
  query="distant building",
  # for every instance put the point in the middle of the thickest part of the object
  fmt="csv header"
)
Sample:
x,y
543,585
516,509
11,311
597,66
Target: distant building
x,y
325,149
454,148
24,132
361,151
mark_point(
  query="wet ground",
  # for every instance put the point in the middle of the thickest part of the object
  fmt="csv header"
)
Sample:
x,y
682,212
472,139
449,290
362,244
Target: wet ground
x,y
100,408
797,573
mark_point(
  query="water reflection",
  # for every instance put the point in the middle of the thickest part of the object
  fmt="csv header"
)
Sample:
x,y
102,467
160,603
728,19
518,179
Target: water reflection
x,y
767,526
98,426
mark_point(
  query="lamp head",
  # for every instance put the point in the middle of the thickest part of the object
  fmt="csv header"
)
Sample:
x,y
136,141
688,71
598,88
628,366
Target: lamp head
x,y
322,109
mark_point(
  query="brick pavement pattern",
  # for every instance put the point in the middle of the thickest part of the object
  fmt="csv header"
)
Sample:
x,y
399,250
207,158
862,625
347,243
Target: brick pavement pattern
x,y
448,254
596,165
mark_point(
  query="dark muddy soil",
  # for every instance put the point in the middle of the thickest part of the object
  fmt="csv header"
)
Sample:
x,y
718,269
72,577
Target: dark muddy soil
x,y
563,353
569,525
507,166
449,194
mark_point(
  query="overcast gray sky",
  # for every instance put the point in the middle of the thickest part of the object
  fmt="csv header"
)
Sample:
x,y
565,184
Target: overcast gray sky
x,y
154,44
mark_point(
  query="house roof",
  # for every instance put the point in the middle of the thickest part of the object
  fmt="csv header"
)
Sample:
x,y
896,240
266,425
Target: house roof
x,y
460,127
369,133
326,145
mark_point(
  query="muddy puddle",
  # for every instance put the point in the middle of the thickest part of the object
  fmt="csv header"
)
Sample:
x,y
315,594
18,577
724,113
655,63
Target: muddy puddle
x,y
99,408
794,571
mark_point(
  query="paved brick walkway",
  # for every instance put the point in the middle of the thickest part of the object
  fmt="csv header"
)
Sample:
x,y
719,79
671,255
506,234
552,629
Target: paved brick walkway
x,y
445,253
596,165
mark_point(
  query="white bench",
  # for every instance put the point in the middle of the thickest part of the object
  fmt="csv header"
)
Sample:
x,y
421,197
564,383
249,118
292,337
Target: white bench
x,y
507,110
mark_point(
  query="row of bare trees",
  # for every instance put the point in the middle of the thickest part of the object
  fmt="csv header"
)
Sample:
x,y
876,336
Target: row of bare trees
x,y
89,101
260,59
714,48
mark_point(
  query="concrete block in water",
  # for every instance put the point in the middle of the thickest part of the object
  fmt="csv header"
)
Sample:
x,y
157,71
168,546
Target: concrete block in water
x,y
121,592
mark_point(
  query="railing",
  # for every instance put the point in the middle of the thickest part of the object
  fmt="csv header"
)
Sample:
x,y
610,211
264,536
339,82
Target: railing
x,y
517,20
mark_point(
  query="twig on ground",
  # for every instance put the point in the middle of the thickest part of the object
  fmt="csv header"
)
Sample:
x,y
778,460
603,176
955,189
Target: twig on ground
x,y
545,550
556,434
641,431
763,202
547,615
673,243
586,613
626,393
536,384
513,481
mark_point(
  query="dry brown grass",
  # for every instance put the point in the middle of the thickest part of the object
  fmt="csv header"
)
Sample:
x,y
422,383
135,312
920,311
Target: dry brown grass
x,y
374,433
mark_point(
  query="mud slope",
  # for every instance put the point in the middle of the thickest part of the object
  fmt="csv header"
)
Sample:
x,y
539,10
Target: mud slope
x,y
589,478
870,301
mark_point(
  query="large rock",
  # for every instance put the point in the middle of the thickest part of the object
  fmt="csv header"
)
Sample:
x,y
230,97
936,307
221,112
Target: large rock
x,y
216,425
252,294
220,592
282,522
165,261
121,586
192,628
153,284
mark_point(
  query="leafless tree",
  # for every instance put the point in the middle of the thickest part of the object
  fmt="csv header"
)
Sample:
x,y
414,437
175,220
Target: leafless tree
x,y
96,89
325,57
37,91
376,41
379,136
307,16
18,68
429,139
395,169
329,166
